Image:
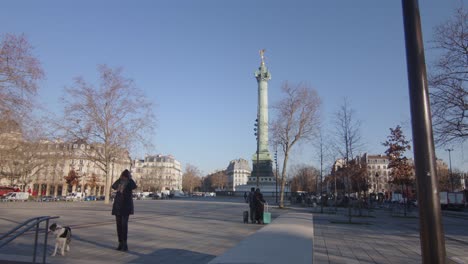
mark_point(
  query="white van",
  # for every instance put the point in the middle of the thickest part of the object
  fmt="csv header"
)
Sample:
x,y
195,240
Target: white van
x,y
17,196
75,196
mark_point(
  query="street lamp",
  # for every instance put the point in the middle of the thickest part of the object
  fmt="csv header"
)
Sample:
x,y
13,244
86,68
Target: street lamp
x,y
450,162
276,180
257,132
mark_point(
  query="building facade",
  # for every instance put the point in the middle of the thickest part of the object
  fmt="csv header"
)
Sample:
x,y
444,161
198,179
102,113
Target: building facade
x,y
379,175
42,167
238,172
158,173
378,172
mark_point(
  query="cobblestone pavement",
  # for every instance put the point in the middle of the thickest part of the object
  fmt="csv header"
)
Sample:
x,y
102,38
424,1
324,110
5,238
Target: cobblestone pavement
x,y
381,238
161,231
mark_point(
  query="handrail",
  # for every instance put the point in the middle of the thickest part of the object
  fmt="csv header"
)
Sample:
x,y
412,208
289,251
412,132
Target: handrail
x,y
18,227
27,225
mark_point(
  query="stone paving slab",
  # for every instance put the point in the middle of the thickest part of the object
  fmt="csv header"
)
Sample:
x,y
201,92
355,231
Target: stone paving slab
x,y
288,239
161,231
381,238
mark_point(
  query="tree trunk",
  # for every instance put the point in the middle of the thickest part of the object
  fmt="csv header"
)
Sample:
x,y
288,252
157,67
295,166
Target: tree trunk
x,y
407,197
283,181
404,202
107,186
349,198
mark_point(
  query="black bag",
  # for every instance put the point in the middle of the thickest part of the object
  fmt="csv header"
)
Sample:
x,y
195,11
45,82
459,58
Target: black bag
x,y
246,217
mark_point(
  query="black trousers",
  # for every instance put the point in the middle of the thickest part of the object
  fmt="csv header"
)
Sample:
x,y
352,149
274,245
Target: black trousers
x,y
122,227
252,214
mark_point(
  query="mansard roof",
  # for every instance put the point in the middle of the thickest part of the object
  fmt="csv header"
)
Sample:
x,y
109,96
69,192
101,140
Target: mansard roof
x,y
238,164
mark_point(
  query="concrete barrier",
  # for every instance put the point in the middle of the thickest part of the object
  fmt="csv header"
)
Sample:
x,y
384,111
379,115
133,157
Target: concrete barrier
x,y
288,239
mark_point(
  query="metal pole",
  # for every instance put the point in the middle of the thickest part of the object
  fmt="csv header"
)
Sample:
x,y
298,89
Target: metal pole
x,y
46,233
35,242
258,147
450,162
276,180
257,165
430,218
321,175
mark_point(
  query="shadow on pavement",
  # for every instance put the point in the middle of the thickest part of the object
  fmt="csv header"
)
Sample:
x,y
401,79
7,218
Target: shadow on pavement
x,y
173,255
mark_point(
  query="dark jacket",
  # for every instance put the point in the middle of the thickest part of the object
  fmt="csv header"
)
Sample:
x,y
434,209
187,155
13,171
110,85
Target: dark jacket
x,y
258,205
123,202
250,199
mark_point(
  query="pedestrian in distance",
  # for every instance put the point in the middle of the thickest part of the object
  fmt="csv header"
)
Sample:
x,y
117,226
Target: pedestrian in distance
x,y
245,197
250,199
259,206
123,206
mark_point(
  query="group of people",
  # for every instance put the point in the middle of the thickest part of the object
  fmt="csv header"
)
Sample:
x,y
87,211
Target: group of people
x,y
256,205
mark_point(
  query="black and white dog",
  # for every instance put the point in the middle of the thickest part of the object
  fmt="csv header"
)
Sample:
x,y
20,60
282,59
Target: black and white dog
x,y
62,238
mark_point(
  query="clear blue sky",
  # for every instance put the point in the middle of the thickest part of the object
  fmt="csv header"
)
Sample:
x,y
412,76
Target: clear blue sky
x,y
195,60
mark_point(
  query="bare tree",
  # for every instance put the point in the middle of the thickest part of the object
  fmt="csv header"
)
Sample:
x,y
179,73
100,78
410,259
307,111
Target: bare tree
x,y
20,72
114,117
449,95
444,179
305,178
219,180
348,138
191,178
297,120
348,133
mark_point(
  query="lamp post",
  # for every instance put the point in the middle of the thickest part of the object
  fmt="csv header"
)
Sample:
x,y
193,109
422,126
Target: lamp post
x,y
430,218
321,176
276,174
450,163
257,133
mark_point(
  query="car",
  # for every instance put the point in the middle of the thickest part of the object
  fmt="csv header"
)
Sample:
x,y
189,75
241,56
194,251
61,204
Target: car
x,y
90,198
46,198
75,196
59,198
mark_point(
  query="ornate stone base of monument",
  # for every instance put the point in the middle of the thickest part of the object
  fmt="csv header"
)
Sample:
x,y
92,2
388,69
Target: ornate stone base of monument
x,y
268,189
263,168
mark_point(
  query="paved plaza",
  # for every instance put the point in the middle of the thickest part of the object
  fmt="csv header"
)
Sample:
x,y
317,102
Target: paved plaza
x,y
198,230
382,238
161,231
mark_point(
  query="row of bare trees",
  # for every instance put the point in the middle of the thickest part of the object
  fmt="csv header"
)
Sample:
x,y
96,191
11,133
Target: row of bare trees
x,y
298,120
192,180
110,113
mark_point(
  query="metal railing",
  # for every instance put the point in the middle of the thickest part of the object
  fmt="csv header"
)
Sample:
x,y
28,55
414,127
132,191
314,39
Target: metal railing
x,y
26,226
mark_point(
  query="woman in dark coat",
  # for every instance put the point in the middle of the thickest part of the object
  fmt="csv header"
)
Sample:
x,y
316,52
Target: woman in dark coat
x,y
259,206
123,206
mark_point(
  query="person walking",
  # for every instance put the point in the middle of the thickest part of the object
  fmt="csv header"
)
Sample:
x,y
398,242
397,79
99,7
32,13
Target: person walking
x,y
259,206
250,199
123,206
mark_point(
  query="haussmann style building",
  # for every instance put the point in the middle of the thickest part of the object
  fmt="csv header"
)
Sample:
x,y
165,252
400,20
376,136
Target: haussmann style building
x,y
158,173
